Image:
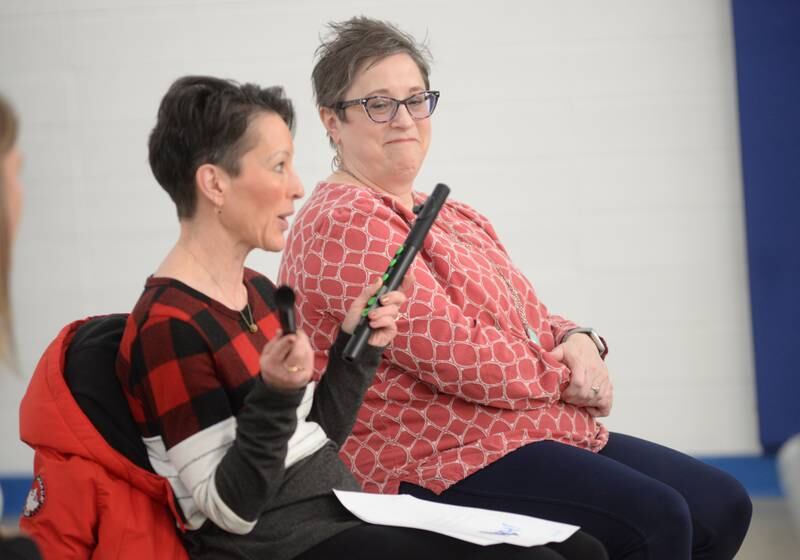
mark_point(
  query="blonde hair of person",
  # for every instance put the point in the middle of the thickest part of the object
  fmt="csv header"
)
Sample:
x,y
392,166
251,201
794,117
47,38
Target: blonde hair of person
x,y
8,138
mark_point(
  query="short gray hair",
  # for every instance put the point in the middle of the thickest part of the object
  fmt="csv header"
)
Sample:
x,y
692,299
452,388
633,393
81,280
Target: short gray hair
x,y
353,43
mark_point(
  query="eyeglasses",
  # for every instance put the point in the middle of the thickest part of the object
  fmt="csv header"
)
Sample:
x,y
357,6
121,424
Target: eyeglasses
x,y
381,109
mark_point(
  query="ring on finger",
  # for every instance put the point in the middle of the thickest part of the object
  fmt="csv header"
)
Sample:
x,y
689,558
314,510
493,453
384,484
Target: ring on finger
x,y
292,369
595,389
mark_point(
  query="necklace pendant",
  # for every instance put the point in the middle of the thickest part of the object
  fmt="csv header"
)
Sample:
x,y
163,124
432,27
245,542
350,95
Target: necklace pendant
x,y
248,320
532,335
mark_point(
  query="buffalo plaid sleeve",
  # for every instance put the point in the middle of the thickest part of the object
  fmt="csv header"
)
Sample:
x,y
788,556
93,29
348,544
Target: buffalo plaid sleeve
x,y
231,466
177,382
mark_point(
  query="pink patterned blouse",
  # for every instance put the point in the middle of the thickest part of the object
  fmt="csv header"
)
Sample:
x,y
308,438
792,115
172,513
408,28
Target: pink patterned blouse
x,y
462,384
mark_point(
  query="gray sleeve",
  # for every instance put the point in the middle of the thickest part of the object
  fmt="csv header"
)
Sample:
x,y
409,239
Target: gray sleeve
x,y
341,390
252,470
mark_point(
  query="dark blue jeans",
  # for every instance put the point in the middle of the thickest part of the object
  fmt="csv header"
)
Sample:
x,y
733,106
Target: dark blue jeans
x,y
641,500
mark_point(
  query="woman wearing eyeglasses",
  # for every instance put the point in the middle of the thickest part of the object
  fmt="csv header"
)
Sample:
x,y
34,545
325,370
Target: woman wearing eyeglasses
x,y
484,397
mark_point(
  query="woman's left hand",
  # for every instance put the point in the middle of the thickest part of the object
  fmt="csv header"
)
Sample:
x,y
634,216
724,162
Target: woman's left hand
x,y
590,386
382,319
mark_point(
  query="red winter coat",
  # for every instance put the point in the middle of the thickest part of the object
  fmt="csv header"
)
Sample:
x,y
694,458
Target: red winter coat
x,y
88,500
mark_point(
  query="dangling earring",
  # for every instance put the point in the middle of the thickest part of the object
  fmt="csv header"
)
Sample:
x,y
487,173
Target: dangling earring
x,y
336,162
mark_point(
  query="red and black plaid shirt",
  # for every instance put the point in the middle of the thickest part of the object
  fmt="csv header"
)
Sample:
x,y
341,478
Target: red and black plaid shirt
x,y
187,362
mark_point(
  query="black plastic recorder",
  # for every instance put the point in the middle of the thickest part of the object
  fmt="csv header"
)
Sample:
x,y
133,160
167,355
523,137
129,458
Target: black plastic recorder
x,y
426,214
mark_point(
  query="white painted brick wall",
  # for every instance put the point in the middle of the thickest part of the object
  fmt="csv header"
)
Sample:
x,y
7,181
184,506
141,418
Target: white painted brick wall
x,y
600,137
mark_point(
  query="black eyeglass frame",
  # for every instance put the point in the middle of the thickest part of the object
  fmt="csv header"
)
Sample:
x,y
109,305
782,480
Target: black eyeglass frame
x,y
342,105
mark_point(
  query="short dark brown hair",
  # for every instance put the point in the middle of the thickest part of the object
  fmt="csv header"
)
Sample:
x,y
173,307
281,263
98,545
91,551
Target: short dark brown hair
x,y
353,43
205,120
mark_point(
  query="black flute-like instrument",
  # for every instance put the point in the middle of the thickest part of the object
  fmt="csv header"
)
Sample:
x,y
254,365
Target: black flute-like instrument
x,y
426,214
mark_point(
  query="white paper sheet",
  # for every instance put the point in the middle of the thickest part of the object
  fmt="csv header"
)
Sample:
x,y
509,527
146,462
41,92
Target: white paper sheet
x,y
475,525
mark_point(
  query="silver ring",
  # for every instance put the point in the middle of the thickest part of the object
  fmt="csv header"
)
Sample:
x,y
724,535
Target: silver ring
x,y
596,389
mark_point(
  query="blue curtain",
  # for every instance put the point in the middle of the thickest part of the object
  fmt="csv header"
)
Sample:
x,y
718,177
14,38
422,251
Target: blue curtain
x,y
767,36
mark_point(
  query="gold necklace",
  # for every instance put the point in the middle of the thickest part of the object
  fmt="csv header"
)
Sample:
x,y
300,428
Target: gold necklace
x,y
250,323
248,319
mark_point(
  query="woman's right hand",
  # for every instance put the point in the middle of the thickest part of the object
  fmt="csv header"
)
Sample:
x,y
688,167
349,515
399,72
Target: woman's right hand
x,y
287,361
